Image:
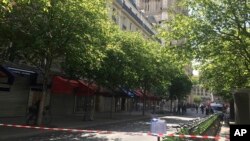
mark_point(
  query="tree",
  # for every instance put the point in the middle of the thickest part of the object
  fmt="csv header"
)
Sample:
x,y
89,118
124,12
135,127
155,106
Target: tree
x,y
43,31
128,61
124,57
180,87
132,62
197,99
216,33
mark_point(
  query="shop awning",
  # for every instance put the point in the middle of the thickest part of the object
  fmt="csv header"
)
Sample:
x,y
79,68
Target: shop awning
x,y
21,71
6,73
85,89
29,73
128,93
62,85
138,93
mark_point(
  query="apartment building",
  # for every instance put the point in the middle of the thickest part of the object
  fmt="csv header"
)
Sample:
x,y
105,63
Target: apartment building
x,y
199,91
155,10
125,14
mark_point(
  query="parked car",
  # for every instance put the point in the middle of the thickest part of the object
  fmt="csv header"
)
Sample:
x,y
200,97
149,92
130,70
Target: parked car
x,y
217,108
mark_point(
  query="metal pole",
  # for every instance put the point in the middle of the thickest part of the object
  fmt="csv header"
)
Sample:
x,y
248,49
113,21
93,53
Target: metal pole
x,y
158,138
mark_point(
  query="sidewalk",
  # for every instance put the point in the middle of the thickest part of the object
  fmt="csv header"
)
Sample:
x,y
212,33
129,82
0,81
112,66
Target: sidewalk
x,y
74,121
224,133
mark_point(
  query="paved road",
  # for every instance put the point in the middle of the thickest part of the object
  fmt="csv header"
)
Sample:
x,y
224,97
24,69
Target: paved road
x,y
128,131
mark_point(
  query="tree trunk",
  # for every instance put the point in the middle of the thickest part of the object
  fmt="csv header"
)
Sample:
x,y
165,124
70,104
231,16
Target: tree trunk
x,y
144,102
171,105
47,64
93,108
85,108
42,103
111,108
232,114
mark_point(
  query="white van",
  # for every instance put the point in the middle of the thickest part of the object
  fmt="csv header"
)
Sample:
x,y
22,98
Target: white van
x,y
217,108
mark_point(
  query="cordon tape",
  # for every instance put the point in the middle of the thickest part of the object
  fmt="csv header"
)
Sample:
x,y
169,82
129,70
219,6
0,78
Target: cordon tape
x,y
109,132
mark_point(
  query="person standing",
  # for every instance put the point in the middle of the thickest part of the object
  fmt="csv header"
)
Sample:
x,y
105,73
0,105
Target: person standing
x,y
196,108
207,110
202,108
226,115
33,112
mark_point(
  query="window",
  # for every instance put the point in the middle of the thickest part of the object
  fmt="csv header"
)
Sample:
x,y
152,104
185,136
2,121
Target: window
x,y
146,5
158,5
124,27
114,19
114,15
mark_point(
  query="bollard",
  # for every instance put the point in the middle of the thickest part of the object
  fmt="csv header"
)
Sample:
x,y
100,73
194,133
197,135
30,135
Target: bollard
x,y
158,138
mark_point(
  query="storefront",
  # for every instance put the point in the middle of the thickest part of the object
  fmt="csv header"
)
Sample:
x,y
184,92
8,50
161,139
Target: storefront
x,y
71,96
14,90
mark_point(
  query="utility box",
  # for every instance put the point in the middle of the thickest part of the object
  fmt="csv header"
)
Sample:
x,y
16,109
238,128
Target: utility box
x,y
242,106
158,126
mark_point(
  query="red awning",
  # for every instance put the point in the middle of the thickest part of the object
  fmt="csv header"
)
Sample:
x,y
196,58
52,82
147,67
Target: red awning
x,y
85,89
139,93
63,86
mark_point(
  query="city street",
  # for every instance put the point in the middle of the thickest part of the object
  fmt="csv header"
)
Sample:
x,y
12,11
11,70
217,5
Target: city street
x,y
125,131
124,70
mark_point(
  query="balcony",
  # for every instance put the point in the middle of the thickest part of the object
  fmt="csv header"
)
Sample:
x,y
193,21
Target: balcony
x,y
142,21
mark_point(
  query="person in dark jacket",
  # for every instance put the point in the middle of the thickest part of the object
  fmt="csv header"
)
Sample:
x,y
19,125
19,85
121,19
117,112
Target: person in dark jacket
x,y
33,112
202,108
196,108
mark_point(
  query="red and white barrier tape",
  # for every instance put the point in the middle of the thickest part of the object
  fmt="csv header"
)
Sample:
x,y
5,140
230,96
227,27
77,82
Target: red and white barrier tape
x,y
109,132
53,129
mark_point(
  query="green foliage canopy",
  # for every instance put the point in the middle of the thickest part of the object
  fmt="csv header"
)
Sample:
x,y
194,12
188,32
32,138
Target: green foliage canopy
x,y
216,33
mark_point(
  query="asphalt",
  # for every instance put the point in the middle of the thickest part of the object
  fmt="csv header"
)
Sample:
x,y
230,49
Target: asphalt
x,y
73,121
76,122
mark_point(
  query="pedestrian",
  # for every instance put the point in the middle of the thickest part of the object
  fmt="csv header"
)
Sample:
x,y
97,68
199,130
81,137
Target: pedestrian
x,y
202,108
184,109
226,115
207,110
196,108
179,109
33,112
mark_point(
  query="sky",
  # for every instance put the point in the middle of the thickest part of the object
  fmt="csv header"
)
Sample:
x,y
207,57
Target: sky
x,y
195,72
195,64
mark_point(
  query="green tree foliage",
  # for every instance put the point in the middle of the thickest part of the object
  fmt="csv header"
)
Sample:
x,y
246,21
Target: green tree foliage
x,y
216,33
197,99
122,55
77,34
42,31
180,87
